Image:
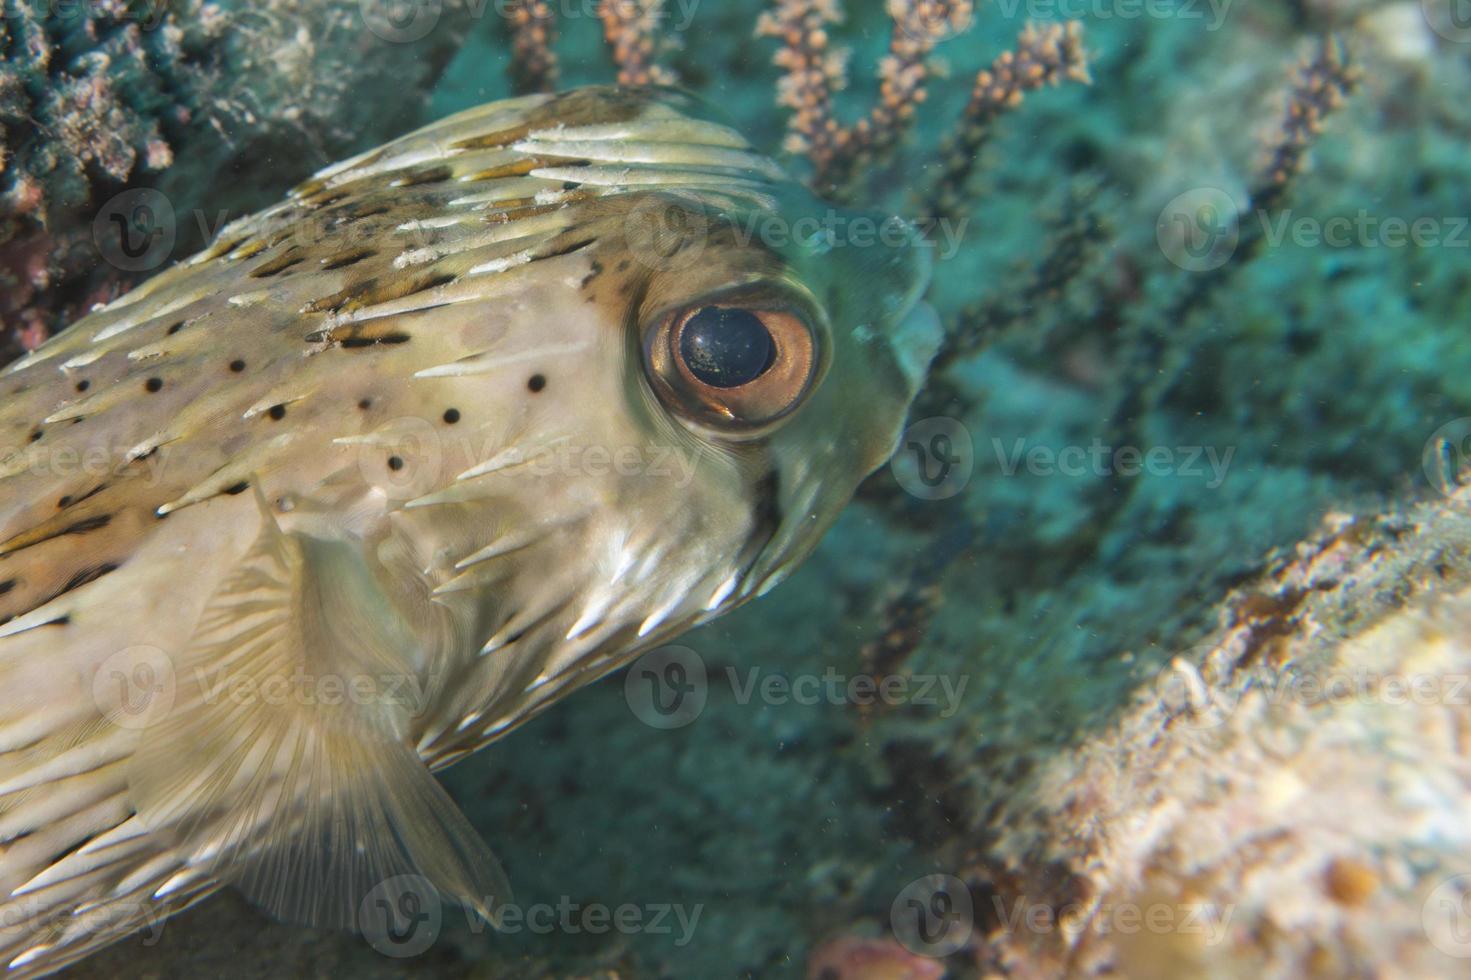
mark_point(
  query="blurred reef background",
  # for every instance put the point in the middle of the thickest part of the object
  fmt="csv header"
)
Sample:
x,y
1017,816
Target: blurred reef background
x,y
1139,660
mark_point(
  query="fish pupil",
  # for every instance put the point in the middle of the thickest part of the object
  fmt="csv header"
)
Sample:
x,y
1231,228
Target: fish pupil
x,y
726,348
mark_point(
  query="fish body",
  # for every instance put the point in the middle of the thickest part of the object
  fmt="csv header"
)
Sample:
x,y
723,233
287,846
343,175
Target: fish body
x,y
464,423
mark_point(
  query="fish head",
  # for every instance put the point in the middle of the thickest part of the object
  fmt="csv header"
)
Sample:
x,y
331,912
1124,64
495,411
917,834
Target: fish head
x,y
781,343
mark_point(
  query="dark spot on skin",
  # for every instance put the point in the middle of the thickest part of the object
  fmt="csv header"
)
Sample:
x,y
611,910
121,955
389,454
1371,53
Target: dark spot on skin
x,y
235,489
6,586
365,404
153,385
570,185
596,270
357,343
175,328
623,265
451,415
90,524
237,365
64,502
277,412
394,463
276,266
536,383
346,259
36,436
83,385
84,577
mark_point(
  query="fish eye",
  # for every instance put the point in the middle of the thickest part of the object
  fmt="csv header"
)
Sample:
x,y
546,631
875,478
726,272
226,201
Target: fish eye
x,y
732,366
724,347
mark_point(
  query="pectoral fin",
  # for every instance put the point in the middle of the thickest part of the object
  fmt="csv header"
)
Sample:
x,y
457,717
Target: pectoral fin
x,y
285,765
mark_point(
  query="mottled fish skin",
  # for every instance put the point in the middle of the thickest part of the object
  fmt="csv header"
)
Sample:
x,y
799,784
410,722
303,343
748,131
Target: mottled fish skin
x,y
399,426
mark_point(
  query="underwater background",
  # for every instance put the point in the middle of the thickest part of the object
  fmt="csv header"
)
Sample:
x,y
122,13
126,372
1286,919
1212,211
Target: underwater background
x,y
1039,705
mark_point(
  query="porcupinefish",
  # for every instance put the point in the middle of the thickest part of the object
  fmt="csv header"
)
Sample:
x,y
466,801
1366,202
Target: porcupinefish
x,y
466,422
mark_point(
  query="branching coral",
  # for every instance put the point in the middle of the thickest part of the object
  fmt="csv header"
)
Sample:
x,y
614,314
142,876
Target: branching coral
x,y
1045,55
814,70
533,30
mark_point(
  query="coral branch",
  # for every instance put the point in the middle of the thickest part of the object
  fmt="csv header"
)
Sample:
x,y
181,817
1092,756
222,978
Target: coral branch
x,y
533,31
631,30
813,71
1044,55
1319,86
